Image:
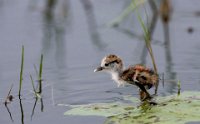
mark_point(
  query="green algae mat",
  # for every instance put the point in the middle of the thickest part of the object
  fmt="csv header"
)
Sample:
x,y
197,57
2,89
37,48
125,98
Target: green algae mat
x,y
171,109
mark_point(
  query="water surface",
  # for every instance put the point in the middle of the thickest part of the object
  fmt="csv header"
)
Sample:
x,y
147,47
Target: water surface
x,y
73,38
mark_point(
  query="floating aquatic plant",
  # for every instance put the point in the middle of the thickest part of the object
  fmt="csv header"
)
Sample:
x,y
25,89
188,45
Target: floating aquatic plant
x,y
170,109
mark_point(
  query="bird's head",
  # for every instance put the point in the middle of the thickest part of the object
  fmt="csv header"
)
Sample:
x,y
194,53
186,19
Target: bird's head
x,y
110,63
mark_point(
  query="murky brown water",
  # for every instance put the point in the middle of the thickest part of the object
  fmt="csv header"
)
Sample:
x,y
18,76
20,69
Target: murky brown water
x,y
73,41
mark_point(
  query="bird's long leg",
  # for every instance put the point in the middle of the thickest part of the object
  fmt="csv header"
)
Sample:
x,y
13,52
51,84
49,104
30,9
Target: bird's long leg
x,y
142,94
142,88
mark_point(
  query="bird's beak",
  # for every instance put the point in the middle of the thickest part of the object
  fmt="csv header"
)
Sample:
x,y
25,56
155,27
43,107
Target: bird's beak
x,y
98,69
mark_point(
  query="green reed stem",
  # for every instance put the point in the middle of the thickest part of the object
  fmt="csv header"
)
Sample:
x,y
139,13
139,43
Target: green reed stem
x,y
40,74
147,38
21,71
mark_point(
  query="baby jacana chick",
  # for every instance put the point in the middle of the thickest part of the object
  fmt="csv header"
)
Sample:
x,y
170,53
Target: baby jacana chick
x,y
138,75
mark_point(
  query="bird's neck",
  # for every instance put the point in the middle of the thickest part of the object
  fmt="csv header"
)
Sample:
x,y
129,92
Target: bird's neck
x,y
116,77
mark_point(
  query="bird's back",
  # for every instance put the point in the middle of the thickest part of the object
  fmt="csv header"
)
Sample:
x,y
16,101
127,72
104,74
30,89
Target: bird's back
x,y
144,75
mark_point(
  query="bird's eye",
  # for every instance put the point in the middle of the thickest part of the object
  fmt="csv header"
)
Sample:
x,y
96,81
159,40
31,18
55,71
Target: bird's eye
x,y
106,64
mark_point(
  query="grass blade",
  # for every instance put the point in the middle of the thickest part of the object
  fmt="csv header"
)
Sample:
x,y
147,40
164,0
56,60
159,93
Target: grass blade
x,y
21,72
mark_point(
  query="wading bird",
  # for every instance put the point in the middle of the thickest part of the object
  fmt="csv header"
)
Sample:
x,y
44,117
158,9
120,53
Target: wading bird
x,y
138,75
